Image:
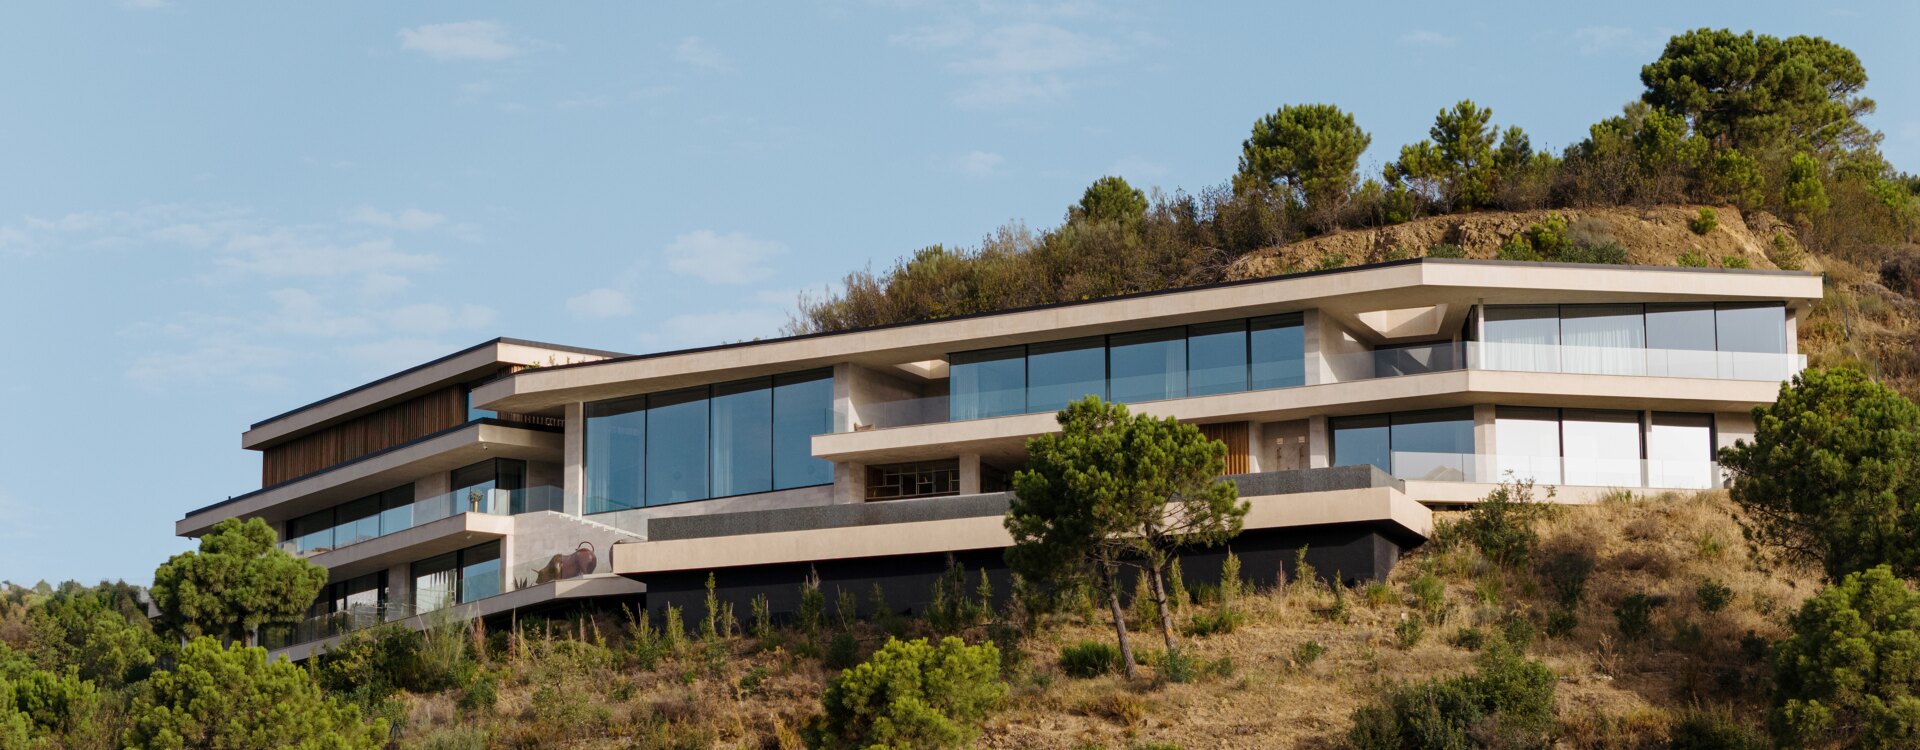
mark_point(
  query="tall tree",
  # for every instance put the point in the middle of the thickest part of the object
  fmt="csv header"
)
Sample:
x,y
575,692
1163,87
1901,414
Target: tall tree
x,y
1756,92
236,582
1110,198
1463,161
1112,489
1832,475
1309,152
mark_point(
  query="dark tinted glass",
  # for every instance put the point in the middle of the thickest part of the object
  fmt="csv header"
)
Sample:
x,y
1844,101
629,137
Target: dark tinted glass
x,y
802,408
677,447
742,444
1358,441
1279,352
1147,366
1062,372
616,444
988,383
1217,358
1752,328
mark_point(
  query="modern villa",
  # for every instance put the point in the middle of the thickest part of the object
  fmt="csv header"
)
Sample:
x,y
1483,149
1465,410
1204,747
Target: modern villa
x,y
514,476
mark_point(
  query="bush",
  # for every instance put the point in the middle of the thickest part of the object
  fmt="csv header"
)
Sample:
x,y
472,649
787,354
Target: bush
x,y
1713,595
1471,639
1846,673
1734,261
1429,595
842,652
1704,222
1786,255
1693,259
1308,652
1446,250
1715,730
1501,524
1634,616
1833,473
220,697
1566,571
1561,622
1089,659
1408,632
1220,621
1508,702
911,694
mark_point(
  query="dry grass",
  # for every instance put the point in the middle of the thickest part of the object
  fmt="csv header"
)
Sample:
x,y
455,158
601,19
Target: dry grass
x,y
1612,692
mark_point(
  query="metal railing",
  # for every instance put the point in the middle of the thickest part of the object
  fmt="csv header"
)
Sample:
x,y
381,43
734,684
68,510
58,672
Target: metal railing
x,y
394,520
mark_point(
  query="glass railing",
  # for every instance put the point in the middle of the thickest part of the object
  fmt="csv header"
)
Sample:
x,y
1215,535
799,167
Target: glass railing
x,y
397,519
1372,365
1557,470
321,627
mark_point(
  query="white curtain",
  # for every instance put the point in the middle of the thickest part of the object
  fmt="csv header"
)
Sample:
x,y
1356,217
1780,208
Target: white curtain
x,y
1603,339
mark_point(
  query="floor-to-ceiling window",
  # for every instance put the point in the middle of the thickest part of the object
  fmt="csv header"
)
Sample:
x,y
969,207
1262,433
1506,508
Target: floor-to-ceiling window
x,y
1738,341
1147,365
1527,444
1603,339
457,577
1681,341
1358,441
351,522
1521,337
1165,363
1755,335
711,441
1680,451
488,486
1432,444
1602,447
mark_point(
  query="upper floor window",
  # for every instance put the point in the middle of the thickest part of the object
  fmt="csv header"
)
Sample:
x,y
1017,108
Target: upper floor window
x,y
729,439
1177,362
1733,340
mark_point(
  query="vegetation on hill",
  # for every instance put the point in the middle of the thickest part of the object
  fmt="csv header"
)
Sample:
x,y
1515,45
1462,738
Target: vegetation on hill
x,y
1763,131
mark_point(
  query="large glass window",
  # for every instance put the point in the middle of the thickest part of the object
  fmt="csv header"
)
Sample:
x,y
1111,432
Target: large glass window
x,y
1217,358
479,572
1435,444
1680,451
1756,334
1527,441
990,383
1279,352
1603,339
1358,441
712,441
489,486
1148,365
357,521
1602,447
677,447
1415,359
351,522
396,509
742,453
436,582
1062,372
1522,337
616,454
1681,341
802,408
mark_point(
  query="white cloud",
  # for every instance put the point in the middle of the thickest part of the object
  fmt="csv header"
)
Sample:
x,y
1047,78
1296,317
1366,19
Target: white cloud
x,y
460,40
688,330
1428,38
696,52
280,252
428,317
732,258
600,303
381,285
1014,63
1597,40
255,366
585,102
978,163
301,312
411,219
395,354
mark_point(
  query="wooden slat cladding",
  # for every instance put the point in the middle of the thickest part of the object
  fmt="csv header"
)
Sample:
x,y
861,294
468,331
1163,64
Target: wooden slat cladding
x,y
1234,434
375,431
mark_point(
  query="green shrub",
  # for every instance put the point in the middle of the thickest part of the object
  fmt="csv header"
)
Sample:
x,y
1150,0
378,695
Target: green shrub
x,y
1408,632
1507,702
1232,586
1634,616
1566,571
1715,730
1561,622
1734,261
1308,652
1378,594
1220,621
221,697
1693,259
1501,524
1518,632
1713,595
1608,253
1089,659
1471,639
1704,222
1429,595
843,651
1446,250
1786,255
812,614
1846,675
911,694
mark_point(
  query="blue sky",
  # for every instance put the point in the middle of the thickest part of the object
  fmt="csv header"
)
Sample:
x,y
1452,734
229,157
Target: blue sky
x,y
220,211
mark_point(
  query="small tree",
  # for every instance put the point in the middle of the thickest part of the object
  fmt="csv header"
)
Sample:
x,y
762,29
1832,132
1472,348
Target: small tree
x,y
236,582
1111,199
233,697
1113,487
1832,475
1848,672
911,694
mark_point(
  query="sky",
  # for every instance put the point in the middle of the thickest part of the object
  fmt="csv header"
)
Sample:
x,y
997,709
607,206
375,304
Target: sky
x,y
217,212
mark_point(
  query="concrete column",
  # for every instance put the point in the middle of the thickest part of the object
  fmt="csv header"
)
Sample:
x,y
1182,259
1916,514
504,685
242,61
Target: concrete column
x,y
399,591
1311,344
849,482
843,416
1793,331
1485,446
970,474
1319,443
573,462
432,486
1256,447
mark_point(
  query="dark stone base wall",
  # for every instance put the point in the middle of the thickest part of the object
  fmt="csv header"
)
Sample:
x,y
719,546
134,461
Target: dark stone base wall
x,y
1356,552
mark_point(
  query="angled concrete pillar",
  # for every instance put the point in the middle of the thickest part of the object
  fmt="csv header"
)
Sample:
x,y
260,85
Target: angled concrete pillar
x,y
573,462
